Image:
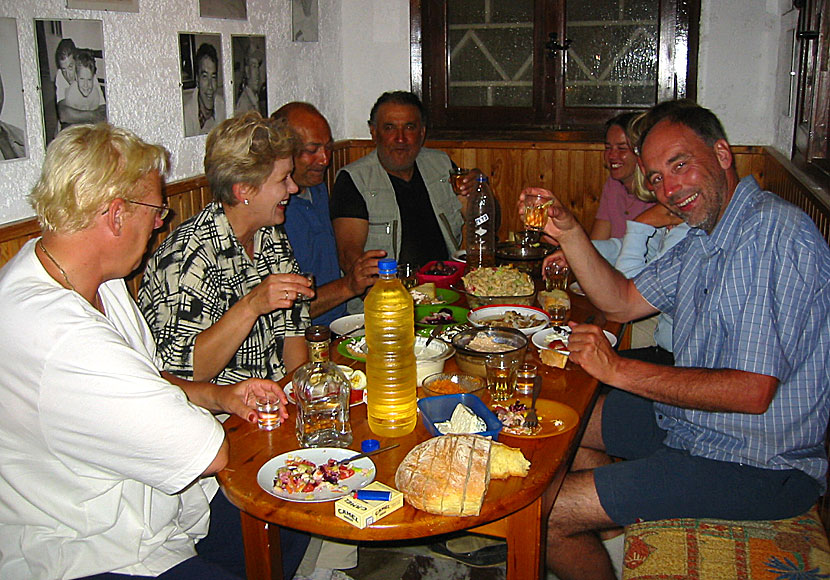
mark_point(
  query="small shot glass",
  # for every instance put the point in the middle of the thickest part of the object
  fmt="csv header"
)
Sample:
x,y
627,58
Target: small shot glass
x,y
408,275
501,377
302,297
456,175
525,377
556,277
268,412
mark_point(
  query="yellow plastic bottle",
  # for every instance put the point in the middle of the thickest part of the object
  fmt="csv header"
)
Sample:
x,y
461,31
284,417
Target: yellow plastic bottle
x,y
390,361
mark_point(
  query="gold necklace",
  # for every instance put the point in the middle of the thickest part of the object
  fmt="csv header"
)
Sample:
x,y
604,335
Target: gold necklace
x,y
58,266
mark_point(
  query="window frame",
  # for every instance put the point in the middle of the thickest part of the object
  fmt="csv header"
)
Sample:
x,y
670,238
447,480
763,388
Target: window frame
x,y
679,26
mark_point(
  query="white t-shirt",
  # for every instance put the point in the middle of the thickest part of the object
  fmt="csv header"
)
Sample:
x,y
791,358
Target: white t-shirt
x,y
95,447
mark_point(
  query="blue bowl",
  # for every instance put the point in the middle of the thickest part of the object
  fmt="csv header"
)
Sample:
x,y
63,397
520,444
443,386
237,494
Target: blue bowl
x,y
439,408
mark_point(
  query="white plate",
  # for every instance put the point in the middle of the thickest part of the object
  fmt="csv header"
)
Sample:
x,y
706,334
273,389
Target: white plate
x,y
481,313
576,289
346,324
543,338
319,455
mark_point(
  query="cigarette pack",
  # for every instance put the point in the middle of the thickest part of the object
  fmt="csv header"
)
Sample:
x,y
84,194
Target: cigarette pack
x,y
361,513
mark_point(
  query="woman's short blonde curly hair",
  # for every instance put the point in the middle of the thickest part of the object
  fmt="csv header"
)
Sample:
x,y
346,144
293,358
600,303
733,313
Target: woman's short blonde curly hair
x,y
243,150
88,166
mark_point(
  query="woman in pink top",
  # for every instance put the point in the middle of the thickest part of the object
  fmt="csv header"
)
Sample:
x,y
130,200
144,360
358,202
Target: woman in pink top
x,y
618,202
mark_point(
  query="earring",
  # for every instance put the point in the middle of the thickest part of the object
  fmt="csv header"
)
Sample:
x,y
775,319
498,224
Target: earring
x,y
245,201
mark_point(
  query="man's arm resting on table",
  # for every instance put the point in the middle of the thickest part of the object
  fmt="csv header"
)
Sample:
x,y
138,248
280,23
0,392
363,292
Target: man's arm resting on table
x,y
351,234
718,390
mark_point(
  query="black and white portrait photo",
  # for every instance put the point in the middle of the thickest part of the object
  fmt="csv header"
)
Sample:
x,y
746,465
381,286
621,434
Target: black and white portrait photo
x,y
250,91
12,111
70,55
203,100
304,21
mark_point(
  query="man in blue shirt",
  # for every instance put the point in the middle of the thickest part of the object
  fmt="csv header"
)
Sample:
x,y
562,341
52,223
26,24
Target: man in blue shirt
x,y
307,220
735,429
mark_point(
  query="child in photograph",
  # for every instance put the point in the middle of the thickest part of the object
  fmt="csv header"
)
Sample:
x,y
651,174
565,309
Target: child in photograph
x,y
85,93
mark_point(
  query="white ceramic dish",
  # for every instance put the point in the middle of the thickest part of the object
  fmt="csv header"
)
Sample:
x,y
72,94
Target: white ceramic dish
x,y
430,359
543,338
576,289
478,316
363,477
347,324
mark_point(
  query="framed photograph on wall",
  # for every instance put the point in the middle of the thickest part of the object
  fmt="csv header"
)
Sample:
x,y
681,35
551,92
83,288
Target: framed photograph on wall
x,y
304,18
250,89
229,9
111,5
203,95
12,110
73,75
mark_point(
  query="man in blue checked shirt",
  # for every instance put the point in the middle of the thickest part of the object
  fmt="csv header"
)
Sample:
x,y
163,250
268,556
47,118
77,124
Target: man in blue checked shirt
x,y
735,429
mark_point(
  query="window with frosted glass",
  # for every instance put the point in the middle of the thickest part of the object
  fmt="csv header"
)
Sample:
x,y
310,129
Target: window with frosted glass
x,y
490,53
612,58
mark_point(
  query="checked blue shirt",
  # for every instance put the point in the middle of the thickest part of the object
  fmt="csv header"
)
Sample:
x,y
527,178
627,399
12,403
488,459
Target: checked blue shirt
x,y
753,296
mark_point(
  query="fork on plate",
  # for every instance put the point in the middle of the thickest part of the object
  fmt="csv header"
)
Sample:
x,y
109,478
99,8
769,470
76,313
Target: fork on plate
x,y
531,420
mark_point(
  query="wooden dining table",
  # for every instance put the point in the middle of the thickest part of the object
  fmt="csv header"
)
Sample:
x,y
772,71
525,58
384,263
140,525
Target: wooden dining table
x,y
515,509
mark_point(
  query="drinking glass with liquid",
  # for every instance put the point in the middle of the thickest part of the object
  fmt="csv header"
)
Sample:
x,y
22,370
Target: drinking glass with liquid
x,y
525,379
501,376
268,412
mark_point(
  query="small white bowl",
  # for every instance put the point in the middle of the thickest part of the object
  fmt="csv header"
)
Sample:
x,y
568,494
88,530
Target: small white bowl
x,y
478,316
430,359
347,324
543,338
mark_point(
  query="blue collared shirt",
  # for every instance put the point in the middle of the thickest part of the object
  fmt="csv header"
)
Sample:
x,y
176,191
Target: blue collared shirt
x,y
310,232
753,296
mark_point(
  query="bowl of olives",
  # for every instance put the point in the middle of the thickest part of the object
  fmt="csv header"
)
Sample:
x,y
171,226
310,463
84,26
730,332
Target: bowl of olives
x,y
443,273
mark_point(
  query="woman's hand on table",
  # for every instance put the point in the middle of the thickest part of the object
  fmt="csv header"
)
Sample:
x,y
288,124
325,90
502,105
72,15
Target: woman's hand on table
x,y
591,350
278,291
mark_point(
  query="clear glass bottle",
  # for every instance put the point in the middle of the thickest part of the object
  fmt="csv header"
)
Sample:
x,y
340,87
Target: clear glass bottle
x,y
481,226
322,392
390,361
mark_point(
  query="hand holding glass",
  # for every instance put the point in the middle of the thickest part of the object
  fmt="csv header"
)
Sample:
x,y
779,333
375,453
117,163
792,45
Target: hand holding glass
x,y
302,297
268,412
456,176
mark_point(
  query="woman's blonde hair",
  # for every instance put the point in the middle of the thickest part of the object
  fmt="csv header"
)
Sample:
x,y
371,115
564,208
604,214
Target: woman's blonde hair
x,y
88,166
640,186
243,150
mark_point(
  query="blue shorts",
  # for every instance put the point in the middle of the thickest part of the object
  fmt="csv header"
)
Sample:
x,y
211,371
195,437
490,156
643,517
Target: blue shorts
x,y
657,482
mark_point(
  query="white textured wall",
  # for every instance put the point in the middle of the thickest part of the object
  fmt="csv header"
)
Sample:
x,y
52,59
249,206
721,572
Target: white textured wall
x,y
363,51
143,88
738,67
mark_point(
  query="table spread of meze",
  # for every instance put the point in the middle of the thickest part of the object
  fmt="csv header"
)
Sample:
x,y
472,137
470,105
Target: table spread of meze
x,y
515,509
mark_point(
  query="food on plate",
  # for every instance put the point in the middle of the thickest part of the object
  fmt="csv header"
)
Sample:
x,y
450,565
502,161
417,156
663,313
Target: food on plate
x,y
512,319
445,387
483,342
463,420
300,475
357,378
425,294
549,299
498,281
512,417
358,347
443,316
440,269
449,475
554,358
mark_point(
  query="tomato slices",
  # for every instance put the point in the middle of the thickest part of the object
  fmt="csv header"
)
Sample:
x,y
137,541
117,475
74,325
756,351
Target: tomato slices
x,y
299,475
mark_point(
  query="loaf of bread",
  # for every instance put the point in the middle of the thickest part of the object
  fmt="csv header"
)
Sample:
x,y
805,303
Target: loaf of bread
x,y
507,461
449,475
553,358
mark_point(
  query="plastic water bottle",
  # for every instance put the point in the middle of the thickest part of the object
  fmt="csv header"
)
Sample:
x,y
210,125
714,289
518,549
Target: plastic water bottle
x,y
481,227
390,360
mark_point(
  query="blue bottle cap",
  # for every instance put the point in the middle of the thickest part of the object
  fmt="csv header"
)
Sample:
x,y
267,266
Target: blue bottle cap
x,y
368,445
387,266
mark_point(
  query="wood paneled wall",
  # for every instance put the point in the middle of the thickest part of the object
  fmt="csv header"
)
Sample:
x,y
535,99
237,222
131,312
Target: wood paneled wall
x,y
573,171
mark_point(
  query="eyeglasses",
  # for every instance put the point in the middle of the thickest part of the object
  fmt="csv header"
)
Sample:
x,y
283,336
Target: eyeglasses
x,y
164,210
